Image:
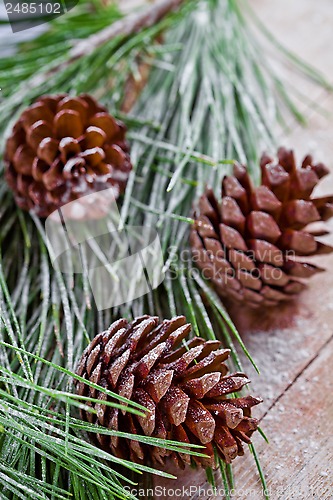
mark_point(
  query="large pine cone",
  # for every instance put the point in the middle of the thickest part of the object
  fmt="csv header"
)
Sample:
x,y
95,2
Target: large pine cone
x,y
186,391
62,148
249,243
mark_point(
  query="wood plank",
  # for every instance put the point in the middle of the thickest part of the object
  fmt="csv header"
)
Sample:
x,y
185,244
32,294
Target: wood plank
x,y
298,460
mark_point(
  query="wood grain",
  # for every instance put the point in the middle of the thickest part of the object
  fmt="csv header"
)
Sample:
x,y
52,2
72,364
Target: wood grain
x,y
298,461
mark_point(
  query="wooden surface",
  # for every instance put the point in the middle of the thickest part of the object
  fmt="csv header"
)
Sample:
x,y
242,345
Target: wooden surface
x,y
292,345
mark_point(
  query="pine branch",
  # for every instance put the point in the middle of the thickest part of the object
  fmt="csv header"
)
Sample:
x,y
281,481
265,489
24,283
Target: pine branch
x,y
132,23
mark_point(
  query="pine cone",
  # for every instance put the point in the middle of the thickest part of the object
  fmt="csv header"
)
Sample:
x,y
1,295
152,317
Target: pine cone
x,y
249,243
185,390
62,148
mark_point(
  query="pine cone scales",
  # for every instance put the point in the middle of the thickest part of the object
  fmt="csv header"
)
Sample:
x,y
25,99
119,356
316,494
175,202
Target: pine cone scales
x,y
185,391
252,243
62,148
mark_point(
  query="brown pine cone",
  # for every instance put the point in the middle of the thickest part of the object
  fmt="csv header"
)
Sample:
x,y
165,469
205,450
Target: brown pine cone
x,y
62,148
187,391
249,244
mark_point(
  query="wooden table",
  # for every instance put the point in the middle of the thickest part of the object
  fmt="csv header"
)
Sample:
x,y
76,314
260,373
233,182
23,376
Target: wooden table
x,y
292,345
